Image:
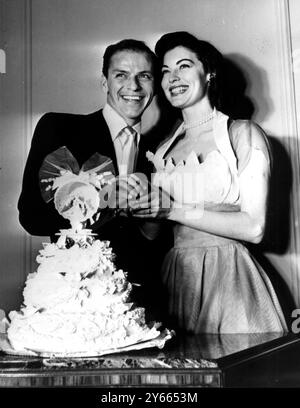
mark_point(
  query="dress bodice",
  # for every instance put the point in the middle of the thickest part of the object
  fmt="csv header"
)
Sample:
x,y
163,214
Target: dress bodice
x,y
218,172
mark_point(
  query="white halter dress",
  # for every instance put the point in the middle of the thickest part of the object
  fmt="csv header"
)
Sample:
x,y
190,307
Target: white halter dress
x,y
213,283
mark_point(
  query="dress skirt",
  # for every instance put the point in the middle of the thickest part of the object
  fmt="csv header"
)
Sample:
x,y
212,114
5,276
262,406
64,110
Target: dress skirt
x,y
214,285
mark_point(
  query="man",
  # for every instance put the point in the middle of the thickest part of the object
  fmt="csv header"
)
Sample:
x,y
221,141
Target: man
x,y
128,80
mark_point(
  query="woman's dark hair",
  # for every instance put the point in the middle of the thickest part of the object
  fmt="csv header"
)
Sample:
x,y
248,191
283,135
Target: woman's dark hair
x,y
210,57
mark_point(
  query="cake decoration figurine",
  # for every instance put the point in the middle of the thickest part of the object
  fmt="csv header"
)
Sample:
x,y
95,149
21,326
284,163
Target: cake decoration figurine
x,y
77,304
75,190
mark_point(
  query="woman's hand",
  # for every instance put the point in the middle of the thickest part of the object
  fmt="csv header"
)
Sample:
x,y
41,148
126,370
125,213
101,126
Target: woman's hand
x,y
156,205
124,191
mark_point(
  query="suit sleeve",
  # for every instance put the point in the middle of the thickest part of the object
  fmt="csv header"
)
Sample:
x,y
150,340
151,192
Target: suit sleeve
x,y
36,216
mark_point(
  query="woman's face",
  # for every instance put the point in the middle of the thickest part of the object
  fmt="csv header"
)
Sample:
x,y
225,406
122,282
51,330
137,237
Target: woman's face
x,y
184,80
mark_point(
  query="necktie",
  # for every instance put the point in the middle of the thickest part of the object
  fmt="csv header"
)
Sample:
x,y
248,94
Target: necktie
x,y
128,141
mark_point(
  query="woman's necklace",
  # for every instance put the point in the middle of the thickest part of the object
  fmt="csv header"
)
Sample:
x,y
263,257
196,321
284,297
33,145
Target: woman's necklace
x,y
191,125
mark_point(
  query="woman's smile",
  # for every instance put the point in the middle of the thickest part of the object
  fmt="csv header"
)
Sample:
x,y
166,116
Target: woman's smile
x,y
178,89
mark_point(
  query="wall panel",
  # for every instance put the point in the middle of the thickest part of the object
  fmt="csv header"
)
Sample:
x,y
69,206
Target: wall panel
x,y
15,252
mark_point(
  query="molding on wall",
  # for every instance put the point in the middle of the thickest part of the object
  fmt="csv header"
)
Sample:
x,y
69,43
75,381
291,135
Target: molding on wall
x,y
28,262
289,117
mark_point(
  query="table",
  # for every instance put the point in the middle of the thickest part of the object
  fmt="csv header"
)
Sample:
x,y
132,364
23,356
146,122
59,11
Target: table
x,y
206,360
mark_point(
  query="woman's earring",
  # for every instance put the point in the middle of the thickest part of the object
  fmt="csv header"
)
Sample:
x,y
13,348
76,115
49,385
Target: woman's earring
x,y
210,77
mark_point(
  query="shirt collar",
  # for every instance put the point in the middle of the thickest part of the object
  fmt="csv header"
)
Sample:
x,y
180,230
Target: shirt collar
x,y
116,123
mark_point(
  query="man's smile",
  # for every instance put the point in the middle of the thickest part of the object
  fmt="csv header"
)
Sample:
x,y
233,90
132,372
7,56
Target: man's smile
x,y
132,98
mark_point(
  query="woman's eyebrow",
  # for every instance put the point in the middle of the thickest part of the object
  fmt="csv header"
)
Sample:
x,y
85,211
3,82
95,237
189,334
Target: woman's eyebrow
x,y
184,59
179,62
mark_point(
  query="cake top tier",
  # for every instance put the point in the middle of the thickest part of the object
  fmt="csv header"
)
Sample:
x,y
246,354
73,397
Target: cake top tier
x,y
75,190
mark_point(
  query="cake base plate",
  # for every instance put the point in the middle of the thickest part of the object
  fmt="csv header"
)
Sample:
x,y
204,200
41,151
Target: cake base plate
x,y
159,341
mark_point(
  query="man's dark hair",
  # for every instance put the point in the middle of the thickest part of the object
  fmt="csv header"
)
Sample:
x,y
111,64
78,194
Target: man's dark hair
x,y
210,57
128,45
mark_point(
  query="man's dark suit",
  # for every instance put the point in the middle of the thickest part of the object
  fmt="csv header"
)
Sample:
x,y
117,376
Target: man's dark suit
x,y
85,135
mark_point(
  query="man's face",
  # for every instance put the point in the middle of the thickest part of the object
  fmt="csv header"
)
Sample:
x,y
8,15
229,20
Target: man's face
x,y
129,84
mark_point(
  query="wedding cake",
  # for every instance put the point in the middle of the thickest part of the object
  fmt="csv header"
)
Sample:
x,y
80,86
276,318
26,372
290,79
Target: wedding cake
x,y
77,303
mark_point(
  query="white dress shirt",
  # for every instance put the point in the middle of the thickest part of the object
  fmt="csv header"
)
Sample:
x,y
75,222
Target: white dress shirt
x,y
123,147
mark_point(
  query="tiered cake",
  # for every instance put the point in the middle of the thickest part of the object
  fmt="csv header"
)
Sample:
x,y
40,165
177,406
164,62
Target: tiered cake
x,y
77,303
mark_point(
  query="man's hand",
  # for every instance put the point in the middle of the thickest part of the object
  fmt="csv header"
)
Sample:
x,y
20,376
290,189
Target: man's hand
x,y
124,191
156,205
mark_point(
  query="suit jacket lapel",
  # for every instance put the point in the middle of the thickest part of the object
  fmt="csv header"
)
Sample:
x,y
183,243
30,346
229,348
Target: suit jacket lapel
x,y
105,145
142,163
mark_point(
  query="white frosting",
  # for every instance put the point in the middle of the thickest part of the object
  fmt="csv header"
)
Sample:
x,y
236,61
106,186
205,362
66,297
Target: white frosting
x,y
77,301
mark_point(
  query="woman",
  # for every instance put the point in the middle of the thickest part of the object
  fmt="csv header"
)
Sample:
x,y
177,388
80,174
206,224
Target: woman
x,y
213,283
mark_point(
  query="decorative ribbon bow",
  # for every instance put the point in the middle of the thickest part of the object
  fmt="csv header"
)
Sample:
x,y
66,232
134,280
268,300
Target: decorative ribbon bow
x,y
75,190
